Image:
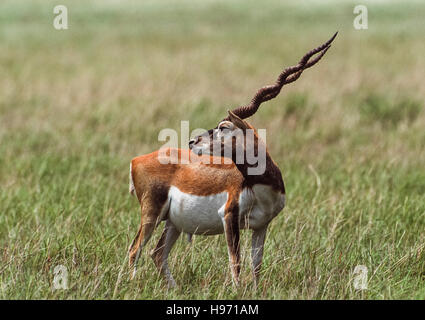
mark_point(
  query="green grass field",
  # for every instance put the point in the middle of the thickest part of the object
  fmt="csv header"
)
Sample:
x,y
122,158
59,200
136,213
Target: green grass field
x,y
76,105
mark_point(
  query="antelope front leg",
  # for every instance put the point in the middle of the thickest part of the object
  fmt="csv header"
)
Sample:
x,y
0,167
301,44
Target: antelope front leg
x,y
258,238
231,230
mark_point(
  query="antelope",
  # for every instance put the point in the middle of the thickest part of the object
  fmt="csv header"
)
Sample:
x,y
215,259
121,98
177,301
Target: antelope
x,y
213,193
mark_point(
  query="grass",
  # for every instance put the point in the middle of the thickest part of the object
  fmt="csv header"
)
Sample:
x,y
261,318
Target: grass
x,y
390,112
77,105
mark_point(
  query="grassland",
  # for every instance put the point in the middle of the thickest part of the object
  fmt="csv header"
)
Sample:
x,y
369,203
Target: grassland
x,y
77,105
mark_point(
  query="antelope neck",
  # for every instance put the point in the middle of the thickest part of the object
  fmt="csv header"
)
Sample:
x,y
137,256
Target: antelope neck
x,y
271,176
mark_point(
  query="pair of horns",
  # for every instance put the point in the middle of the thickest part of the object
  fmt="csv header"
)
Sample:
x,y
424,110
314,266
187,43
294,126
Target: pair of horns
x,y
288,75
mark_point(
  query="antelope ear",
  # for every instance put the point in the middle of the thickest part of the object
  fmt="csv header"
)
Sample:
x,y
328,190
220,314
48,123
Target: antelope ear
x,y
237,121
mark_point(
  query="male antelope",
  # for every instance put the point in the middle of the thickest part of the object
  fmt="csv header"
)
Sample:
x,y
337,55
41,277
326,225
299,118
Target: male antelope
x,y
210,194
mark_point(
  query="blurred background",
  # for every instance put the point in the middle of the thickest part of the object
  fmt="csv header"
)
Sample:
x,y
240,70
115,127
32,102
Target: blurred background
x,y
77,105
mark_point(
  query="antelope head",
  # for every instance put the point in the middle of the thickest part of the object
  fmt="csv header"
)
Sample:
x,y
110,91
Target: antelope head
x,y
229,135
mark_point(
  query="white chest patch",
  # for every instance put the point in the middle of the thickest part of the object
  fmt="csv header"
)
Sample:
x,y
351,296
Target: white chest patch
x,y
262,205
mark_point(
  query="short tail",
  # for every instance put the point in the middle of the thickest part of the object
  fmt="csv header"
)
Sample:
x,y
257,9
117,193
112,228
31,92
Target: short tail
x,y
131,187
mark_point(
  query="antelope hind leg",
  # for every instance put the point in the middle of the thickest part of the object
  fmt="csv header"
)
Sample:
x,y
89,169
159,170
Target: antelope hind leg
x,y
146,229
160,254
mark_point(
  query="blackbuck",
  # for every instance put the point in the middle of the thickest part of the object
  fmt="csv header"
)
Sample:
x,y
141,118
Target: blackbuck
x,y
211,188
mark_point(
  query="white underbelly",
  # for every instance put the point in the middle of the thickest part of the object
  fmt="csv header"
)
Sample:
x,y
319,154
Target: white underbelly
x,y
204,214
197,214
